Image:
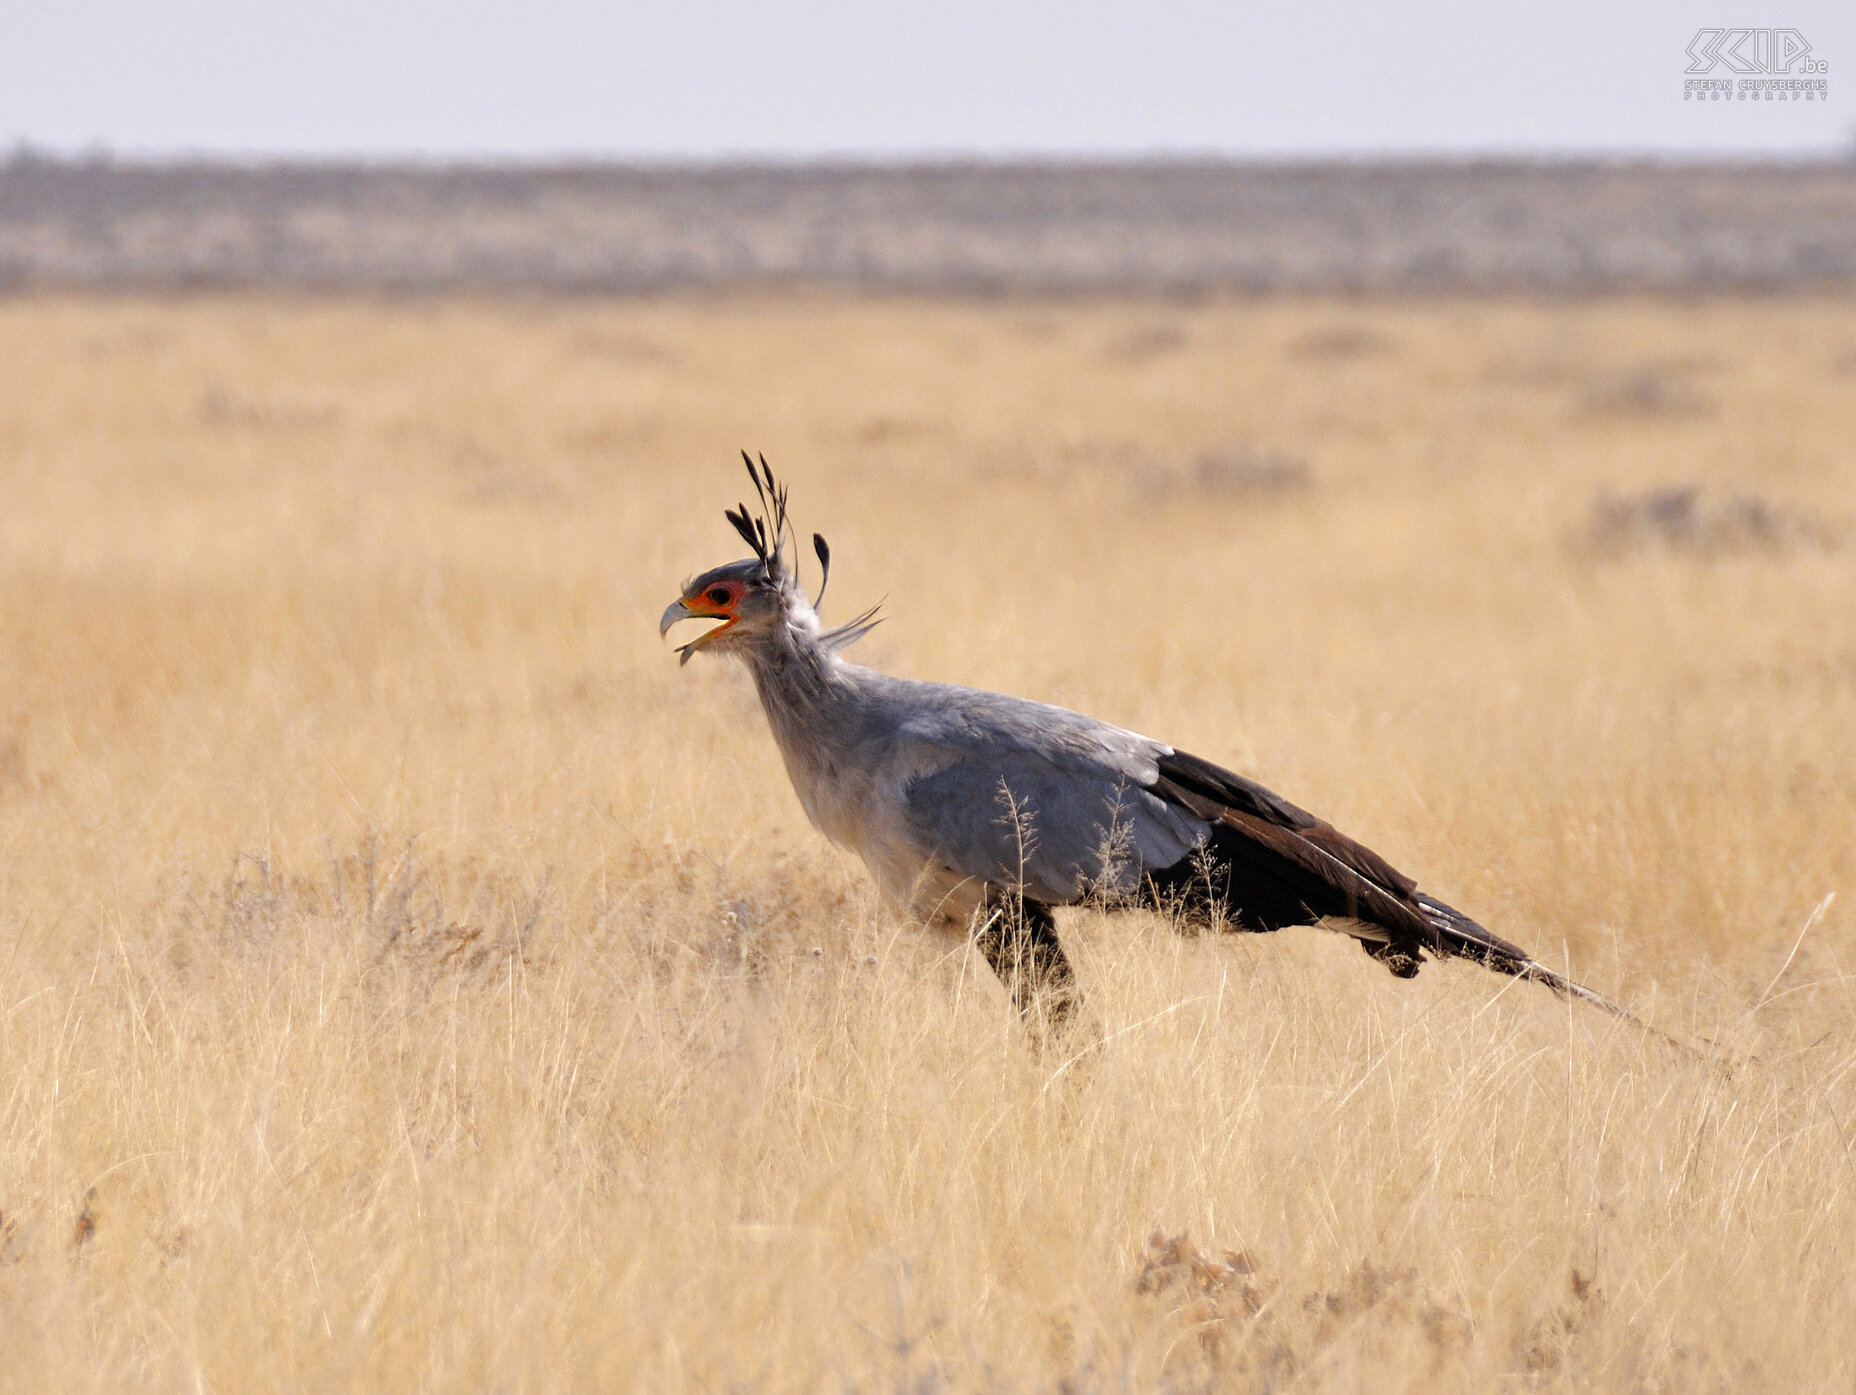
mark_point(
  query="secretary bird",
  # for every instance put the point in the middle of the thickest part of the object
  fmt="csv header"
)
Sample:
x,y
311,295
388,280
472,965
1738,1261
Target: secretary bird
x,y
978,809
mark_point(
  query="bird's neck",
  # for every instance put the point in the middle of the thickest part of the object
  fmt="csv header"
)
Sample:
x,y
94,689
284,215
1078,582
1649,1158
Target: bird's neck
x,y
812,708
793,672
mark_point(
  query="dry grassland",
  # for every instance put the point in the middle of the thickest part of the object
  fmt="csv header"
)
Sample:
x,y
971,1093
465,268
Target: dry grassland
x,y
412,980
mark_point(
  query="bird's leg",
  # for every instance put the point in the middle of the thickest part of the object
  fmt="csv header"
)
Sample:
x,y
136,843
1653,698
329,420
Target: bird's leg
x,y
1019,939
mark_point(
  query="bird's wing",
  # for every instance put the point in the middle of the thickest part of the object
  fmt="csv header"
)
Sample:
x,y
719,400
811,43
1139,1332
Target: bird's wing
x,y
1020,794
1015,792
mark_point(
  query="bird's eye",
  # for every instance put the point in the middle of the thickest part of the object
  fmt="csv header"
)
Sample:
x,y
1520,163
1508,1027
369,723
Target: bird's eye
x,y
719,595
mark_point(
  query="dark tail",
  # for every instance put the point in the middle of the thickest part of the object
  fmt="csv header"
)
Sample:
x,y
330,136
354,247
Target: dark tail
x,y
1462,938
1459,937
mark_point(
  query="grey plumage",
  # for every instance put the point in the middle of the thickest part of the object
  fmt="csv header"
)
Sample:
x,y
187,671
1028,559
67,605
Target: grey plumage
x,y
962,801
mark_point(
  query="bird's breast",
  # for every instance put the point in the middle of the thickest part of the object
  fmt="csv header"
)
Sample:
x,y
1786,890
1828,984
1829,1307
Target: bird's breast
x,y
861,807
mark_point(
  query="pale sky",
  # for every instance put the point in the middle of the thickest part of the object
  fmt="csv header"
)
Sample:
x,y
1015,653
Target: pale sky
x,y
718,78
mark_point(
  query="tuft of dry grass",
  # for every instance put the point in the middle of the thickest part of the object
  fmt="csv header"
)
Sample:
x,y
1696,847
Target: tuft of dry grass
x,y
1679,517
415,980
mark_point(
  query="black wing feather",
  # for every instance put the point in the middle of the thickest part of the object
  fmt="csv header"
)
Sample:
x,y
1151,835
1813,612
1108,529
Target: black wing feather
x,y
1280,865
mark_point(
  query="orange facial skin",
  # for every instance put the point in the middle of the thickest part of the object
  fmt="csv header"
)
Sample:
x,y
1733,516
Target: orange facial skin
x,y
715,601
719,599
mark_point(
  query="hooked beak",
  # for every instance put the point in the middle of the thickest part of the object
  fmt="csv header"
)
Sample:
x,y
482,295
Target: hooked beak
x,y
678,611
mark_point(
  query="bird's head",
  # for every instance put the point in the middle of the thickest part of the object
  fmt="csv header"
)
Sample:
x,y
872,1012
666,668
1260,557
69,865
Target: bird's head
x,y
755,597
746,596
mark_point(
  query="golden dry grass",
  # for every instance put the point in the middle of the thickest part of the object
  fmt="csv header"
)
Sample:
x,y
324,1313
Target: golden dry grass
x,y
414,981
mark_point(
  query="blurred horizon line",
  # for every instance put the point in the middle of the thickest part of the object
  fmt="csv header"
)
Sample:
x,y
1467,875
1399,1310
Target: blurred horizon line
x,y
1173,226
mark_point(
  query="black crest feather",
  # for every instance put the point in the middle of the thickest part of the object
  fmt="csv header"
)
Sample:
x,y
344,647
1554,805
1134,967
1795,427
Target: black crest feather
x,y
823,549
767,530
745,527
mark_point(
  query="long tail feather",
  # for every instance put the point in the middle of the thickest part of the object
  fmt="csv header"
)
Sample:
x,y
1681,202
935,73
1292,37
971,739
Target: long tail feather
x,y
1462,938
